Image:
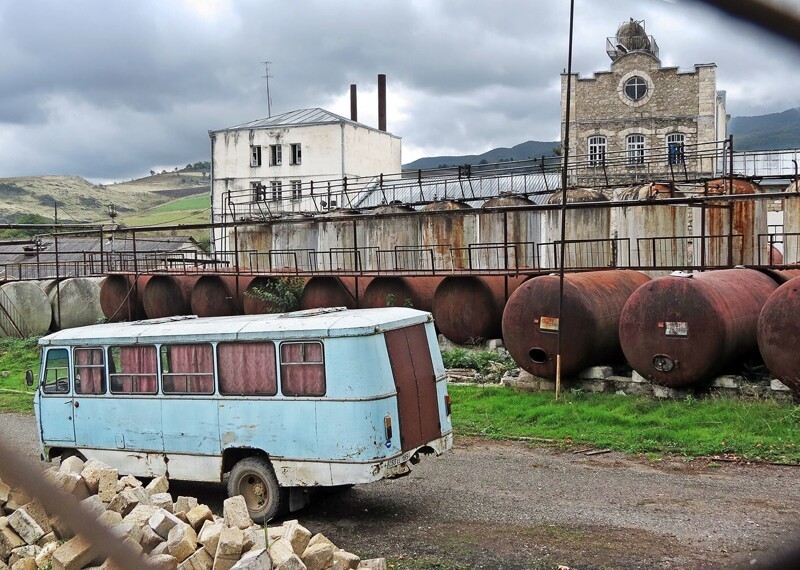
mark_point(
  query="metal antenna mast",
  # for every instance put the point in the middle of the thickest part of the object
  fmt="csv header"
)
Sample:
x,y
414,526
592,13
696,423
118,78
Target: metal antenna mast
x,y
267,76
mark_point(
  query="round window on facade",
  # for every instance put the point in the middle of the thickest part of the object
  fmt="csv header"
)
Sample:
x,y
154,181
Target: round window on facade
x,y
635,88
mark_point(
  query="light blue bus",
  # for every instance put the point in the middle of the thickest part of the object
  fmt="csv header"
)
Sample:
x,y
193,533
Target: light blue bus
x,y
277,403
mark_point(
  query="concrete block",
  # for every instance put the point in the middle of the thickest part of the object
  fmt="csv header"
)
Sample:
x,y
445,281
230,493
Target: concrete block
x,y
26,527
71,483
5,491
778,386
161,548
163,562
297,535
181,542
318,557
231,542
588,385
127,500
200,560
254,538
163,501
596,373
234,509
254,560
9,540
636,377
373,564
47,539
74,554
27,551
729,382
283,556
94,505
24,564
72,464
131,531
149,539
184,504
198,515
157,485
666,393
209,536
61,530
141,514
107,480
494,343
90,473
343,560
320,538
46,554
162,522
130,481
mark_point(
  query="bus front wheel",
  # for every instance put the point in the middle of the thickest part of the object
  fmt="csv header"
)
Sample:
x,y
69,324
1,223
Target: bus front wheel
x,y
254,479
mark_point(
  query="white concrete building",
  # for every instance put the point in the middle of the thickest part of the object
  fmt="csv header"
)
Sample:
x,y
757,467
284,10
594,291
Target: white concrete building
x,y
294,162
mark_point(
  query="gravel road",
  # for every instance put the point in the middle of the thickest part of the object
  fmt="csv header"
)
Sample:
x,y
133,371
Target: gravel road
x,y
508,505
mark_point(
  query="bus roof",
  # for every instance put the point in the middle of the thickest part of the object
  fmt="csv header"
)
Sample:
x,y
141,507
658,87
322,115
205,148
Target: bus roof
x,y
313,323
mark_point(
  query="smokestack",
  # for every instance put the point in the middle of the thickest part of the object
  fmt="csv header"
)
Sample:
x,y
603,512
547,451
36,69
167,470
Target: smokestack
x,y
353,103
382,102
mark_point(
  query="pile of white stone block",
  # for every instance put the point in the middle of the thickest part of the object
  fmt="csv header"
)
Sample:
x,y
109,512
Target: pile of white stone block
x,y
180,534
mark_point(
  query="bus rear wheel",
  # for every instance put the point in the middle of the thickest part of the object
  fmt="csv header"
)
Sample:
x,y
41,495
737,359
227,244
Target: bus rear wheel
x,y
254,479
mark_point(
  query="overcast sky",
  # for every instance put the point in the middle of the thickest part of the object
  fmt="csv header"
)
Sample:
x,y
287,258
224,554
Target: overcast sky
x,y
108,90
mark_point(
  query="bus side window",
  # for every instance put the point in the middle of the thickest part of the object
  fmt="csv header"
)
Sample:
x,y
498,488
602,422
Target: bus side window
x,y
247,368
56,372
90,374
302,369
133,369
187,369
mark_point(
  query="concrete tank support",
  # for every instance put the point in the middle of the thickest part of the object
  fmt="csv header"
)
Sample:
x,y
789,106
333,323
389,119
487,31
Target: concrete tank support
x,y
590,322
685,328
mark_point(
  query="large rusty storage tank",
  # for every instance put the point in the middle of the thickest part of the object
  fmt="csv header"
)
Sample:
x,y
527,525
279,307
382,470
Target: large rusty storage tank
x,y
469,308
685,328
651,234
219,295
514,235
779,334
26,310
122,297
592,305
333,292
791,224
749,221
583,225
387,291
168,295
447,227
75,302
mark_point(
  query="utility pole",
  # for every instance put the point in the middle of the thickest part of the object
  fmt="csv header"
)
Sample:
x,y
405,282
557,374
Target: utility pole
x,y
267,76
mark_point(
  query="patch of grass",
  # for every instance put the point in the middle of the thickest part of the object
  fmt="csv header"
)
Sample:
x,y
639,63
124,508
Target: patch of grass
x,y
762,430
480,360
17,356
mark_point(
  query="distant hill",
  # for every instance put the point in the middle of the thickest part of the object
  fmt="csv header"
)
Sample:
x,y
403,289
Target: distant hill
x,y
766,132
523,151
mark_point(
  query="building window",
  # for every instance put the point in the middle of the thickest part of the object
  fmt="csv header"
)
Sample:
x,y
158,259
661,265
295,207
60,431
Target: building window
x,y
258,191
635,148
275,155
297,190
277,190
597,150
635,88
302,369
255,156
297,157
675,144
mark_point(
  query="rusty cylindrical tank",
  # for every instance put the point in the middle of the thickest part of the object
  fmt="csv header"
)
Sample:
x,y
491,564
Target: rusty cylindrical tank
x,y
168,295
593,302
254,304
219,295
778,334
333,292
122,297
470,307
685,328
414,292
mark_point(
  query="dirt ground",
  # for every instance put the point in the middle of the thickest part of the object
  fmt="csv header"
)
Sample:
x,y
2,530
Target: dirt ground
x,y
508,505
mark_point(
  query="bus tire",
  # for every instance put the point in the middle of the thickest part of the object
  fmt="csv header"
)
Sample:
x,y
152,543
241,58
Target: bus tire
x,y
254,479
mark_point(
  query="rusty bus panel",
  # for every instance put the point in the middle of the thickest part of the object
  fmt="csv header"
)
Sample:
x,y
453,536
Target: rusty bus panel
x,y
589,324
683,329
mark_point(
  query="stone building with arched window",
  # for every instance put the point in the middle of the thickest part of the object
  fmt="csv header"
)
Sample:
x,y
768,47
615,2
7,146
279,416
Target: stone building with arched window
x,y
640,121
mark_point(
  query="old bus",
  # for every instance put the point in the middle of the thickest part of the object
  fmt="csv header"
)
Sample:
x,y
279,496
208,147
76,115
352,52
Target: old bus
x,y
276,403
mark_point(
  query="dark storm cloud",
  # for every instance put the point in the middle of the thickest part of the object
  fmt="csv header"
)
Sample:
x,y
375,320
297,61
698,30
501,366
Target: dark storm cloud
x,y
108,90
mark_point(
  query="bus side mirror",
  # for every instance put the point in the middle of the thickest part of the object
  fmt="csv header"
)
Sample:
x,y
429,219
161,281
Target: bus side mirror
x,y
29,378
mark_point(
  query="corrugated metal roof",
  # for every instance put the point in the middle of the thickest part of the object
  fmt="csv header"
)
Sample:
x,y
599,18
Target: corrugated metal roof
x,y
315,323
315,116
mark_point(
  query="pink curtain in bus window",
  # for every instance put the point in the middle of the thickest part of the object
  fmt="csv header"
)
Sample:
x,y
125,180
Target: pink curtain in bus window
x,y
194,359
302,369
138,360
92,379
247,368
